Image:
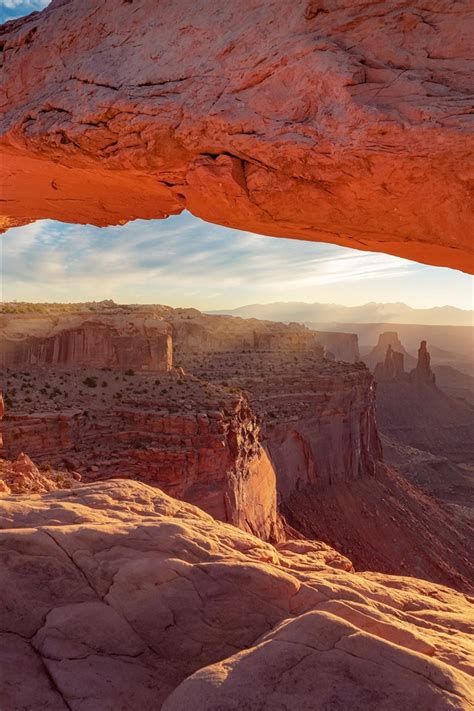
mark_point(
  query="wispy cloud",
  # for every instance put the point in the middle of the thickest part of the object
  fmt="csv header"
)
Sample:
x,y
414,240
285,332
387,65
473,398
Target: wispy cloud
x,y
182,261
10,9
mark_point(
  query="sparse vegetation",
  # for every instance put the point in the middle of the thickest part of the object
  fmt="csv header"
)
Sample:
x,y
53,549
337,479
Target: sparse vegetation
x,y
90,382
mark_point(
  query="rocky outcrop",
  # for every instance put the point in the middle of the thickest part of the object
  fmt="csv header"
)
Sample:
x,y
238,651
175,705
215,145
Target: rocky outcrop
x,y
195,332
209,458
295,121
412,410
340,346
423,373
318,416
117,596
86,340
24,477
393,367
379,352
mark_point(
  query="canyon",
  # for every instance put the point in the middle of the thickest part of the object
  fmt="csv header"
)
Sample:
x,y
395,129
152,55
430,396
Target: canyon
x,y
323,121
223,513
253,421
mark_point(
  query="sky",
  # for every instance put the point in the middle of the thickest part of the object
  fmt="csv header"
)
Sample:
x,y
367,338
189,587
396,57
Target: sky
x,y
183,261
10,9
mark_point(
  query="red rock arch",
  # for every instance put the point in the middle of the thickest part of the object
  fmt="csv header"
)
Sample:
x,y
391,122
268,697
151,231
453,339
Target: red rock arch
x,y
329,121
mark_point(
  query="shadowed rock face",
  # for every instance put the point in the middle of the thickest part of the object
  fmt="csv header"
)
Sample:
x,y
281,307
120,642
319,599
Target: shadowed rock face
x,y
114,594
345,123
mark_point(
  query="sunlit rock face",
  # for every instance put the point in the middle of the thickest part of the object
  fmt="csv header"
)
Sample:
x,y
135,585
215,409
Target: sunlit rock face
x,y
88,340
118,596
345,123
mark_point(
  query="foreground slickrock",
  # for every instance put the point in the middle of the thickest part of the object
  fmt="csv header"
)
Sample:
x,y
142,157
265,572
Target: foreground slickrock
x,y
316,119
114,594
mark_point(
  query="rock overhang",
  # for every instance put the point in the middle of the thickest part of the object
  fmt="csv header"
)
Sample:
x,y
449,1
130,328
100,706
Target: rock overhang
x,y
322,121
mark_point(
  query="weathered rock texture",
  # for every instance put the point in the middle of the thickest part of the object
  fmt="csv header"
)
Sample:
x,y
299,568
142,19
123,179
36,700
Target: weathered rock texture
x,y
346,123
87,340
115,594
23,477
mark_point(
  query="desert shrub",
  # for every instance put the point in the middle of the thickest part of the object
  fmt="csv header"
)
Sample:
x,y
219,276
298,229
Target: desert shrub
x,y
90,382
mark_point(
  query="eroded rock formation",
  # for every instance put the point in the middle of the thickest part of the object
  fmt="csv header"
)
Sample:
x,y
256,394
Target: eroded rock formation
x,y
253,422
423,373
113,340
378,354
22,476
114,595
318,120
342,346
393,367
411,408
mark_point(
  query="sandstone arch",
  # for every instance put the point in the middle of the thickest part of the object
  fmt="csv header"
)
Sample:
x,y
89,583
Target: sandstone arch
x,y
327,120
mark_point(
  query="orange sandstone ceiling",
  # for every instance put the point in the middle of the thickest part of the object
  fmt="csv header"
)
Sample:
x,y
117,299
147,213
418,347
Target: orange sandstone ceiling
x,y
325,120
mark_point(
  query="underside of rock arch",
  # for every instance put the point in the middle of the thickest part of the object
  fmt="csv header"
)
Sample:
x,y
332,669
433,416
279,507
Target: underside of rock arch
x,y
326,120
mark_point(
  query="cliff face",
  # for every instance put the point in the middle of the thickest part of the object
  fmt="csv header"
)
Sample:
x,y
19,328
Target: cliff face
x,y
84,340
343,346
209,458
331,434
318,416
194,332
245,433
248,118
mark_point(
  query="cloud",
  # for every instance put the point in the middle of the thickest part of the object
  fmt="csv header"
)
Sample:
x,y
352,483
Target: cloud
x,y
181,261
10,9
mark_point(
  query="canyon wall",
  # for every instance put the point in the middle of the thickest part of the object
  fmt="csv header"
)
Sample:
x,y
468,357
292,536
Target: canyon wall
x,y
209,458
318,416
344,123
343,346
274,439
331,438
195,332
86,340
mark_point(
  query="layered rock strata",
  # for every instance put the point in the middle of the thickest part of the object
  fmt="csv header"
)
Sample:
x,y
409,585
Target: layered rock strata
x,y
200,443
315,120
86,340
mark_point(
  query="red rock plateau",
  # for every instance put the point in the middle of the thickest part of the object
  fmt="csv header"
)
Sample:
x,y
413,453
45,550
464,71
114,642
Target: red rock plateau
x,y
252,423
318,119
83,340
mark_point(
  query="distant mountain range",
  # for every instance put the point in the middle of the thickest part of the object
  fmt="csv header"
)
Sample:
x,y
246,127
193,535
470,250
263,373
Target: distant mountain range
x,y
372,312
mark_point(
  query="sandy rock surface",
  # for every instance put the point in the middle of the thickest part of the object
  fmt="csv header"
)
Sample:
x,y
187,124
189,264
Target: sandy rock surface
x,y
115,594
